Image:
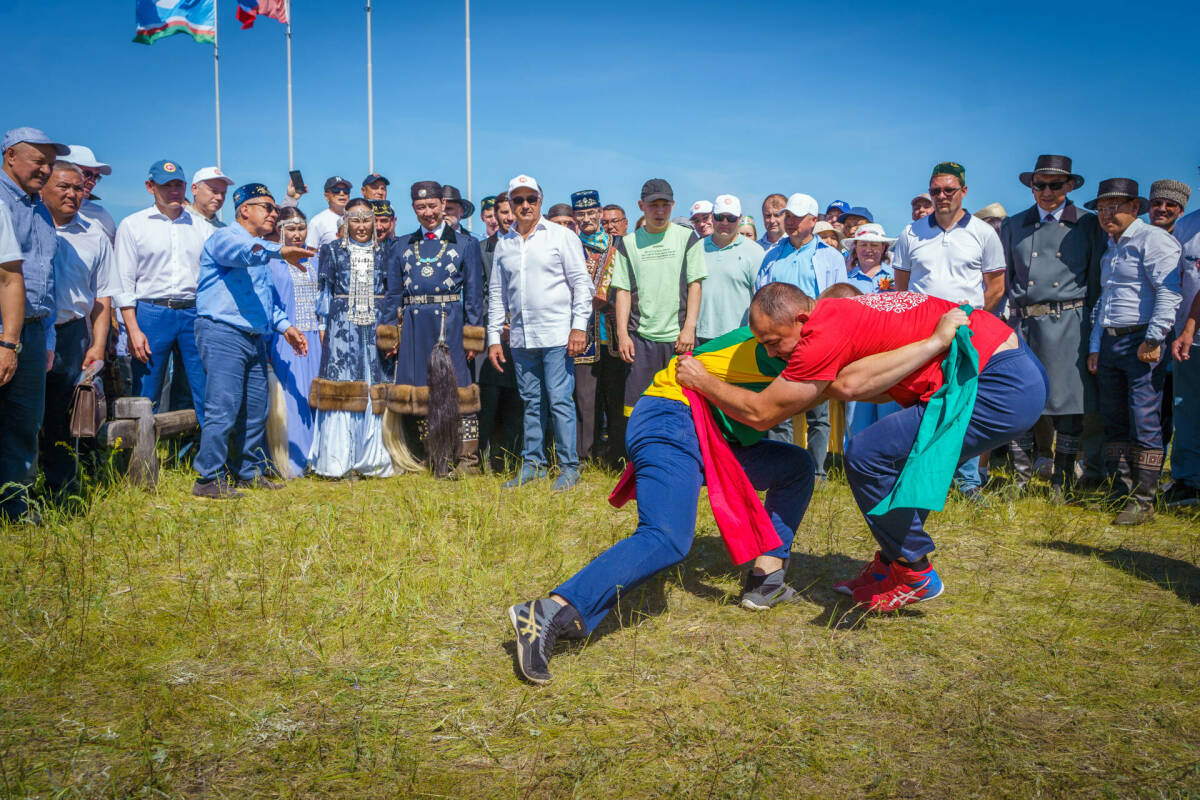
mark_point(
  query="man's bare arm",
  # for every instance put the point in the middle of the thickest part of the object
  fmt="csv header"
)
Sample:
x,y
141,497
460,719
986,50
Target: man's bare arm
x,y
993,289
763,410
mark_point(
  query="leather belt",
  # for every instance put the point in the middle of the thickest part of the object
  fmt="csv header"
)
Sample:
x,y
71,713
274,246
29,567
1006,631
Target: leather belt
x,y
1126,330
1042,309
170,302
427,299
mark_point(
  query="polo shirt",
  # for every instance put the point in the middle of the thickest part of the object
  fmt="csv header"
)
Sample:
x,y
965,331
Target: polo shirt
x,y
236,286
814,266
158,257
766,244
840,331
542,284
656,269
83,269
883,281
1187,233
949,263
1139,274
729,287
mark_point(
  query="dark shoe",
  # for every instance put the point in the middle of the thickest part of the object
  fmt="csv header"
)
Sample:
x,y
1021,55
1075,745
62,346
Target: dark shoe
x,y
215,490
1135,513
1180,495
259,482
763,592
538,624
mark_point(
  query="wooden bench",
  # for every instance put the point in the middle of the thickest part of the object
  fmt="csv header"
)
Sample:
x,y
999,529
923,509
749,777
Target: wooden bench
x,y
136,428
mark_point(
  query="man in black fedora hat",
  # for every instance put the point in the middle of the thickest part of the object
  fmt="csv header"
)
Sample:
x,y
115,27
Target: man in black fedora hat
x,y
456,208
1133,318
1052,251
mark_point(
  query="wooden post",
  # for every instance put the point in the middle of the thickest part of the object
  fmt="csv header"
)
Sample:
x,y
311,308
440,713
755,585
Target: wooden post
x,y
143,458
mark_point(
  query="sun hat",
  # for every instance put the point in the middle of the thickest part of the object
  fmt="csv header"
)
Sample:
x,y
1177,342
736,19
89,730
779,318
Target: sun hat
x,y
869,232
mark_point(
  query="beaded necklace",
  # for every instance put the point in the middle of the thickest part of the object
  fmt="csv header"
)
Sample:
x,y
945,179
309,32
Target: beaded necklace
x,y
427,263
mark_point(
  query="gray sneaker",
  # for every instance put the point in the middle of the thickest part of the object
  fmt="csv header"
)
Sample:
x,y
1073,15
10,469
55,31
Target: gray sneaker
x,y
762,592
538,625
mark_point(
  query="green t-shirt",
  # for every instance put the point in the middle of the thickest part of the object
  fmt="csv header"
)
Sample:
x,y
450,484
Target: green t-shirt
x,y
656,269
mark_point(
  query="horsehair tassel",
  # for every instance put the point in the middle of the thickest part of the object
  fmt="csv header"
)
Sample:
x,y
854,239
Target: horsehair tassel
x,y
442,332
443,440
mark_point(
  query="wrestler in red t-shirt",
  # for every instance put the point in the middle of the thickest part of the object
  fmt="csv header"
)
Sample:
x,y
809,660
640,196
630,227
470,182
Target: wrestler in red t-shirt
x,y
840,331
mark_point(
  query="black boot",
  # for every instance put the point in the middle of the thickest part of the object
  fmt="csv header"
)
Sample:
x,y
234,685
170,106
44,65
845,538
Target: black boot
x,y
1147,467
1116,470
1062,480
1021,451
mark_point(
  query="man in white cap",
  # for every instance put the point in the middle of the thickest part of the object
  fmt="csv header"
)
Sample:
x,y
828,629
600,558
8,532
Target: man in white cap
x,y
540,284
209,186
922,206
26,328
805,261
732,262
702,218
92,170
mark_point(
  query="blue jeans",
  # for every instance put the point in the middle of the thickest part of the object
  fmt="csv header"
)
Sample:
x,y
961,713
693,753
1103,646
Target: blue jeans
x,y
235,403
546,381
22,408
1185,449
58,451
1131,392
165,330
1012,395
661,440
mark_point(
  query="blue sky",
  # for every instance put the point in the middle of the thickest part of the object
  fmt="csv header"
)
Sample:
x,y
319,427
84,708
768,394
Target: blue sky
x,y
852,103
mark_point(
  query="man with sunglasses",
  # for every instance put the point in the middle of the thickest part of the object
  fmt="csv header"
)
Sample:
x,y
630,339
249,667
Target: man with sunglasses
x,y
92,170
323,227
1168,199
732,262
237,314
1052,255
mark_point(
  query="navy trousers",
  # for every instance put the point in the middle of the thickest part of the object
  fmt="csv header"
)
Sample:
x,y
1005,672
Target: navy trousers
x,y
1131,392
1012,395
22,406
234,436
661,440
169,329
58,453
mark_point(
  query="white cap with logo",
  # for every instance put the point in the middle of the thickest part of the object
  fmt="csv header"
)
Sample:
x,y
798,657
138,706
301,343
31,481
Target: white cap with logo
x,y
801,205
211,174
523,182
727,204
701,207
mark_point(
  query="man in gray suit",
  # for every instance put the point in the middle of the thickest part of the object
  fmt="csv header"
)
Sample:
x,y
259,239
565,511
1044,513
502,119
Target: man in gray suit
x,y
1053,250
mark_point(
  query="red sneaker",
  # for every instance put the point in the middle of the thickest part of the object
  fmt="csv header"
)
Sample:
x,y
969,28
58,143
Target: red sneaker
x,y
901,587
869,575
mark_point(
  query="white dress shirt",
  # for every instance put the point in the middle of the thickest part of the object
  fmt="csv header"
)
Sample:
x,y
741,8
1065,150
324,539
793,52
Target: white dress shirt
x,y
98,213
541,284
1056,213
949,263
322,229
437,232
83,269
158,257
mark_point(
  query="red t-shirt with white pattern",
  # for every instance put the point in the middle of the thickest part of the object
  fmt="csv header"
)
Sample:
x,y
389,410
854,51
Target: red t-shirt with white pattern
x,y
840,331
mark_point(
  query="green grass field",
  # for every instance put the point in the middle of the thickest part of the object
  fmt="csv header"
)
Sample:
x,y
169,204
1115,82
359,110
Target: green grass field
x,y
349,640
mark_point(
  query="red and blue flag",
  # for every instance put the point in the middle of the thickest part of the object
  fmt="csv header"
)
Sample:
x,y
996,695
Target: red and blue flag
x,y
249,10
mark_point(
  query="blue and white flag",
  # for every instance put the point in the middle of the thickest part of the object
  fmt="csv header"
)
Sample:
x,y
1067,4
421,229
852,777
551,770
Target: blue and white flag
x,y
159,18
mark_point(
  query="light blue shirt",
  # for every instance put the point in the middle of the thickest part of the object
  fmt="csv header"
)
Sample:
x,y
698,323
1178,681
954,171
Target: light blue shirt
x,y
34,231
1139,274
869,285
1187,233
729,287
235,284
814,267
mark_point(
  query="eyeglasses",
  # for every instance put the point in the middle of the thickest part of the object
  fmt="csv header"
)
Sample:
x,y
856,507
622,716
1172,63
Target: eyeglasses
x,y
725,218
339,190
91,174
1053,186
270,208
1109,209
772,214
947,192
524,199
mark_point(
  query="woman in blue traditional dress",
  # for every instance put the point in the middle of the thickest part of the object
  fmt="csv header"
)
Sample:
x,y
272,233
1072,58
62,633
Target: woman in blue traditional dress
x,y
348,394
290,426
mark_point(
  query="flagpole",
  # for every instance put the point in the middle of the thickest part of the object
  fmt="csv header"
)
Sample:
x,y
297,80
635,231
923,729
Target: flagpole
x,y
291,154
468,49
217,81
370,100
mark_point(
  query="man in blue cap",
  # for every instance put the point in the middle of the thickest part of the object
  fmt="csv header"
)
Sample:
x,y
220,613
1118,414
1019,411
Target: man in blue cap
x,y
26,309
854,218
375,187
157,253
833,215
323,227
237,313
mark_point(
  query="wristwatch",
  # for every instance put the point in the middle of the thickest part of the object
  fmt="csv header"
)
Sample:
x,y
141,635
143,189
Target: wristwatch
x,y
1152,342
16,348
